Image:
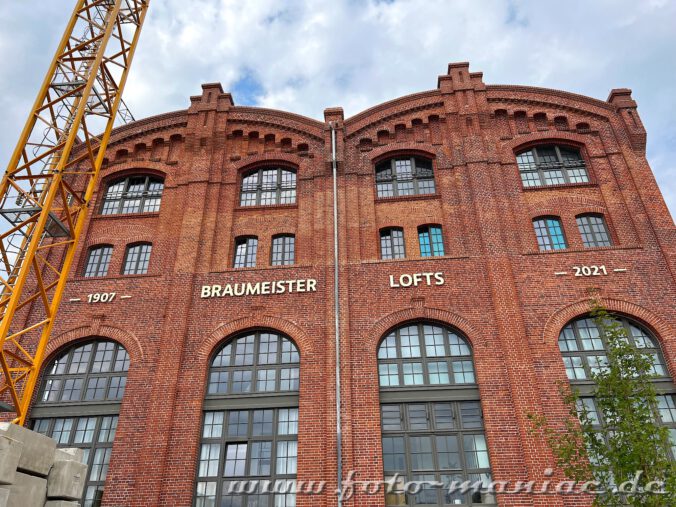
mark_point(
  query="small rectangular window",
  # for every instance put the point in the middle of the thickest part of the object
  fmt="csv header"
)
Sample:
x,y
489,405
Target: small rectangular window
x,y
98,261
283,250
392,244
549,233
593,230
137,259
431,241
245,252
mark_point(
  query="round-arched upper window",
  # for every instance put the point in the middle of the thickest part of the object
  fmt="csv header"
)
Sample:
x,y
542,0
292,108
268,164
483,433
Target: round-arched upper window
x,y
404,176
259,362
424,354
584,348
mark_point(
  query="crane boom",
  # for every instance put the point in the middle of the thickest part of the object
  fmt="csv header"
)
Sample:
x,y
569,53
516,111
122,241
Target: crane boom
x,y
50,179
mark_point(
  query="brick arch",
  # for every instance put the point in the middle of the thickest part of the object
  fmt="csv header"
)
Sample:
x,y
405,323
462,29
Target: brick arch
x,y
400,317
550,335
145,167
128,340
410,148
263,158
572,205
137,234
236,326
526,140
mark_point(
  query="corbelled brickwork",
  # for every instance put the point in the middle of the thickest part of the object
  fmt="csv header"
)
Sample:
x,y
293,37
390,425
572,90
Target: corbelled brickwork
x,y
500,291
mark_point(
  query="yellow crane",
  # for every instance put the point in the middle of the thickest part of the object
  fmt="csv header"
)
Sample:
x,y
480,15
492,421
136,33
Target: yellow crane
x,y
50,179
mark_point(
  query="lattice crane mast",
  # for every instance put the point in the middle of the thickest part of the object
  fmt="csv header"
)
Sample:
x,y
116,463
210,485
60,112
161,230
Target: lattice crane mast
x,y
50,179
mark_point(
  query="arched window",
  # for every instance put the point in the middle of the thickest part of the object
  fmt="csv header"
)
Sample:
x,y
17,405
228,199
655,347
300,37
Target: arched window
x,y
78,405
404,176
98,261
133,194
584,350
549,233
283,251
392,243
431,419
593,230
551,165
137,259
250,426
267,186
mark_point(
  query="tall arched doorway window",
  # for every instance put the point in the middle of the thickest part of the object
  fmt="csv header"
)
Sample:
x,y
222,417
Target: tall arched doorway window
x,y
431,419
79,402
250,424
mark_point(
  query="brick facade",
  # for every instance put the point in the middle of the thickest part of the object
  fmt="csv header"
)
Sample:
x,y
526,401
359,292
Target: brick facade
x,y
500,291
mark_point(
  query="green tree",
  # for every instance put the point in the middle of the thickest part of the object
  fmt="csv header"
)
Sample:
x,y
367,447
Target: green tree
x,y
623,437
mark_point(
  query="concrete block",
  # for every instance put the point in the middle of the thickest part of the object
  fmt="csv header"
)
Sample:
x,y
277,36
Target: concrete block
x,y
66,480
59,503
69,454
27,491
4,496
38,450
10,454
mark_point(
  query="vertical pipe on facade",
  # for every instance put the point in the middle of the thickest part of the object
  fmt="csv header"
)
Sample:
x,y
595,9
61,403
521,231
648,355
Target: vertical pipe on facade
x,y
336,293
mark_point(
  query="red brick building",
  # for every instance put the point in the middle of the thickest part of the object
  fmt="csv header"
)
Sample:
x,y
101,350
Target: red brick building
x,y
473,220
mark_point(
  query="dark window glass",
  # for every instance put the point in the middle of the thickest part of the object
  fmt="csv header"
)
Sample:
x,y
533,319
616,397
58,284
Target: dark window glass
x,y
404,176
268,186
134,194
551,165
91,376
98,261
549,233
137,259
392,243
593,230
257,443
245,252
283,250
431,241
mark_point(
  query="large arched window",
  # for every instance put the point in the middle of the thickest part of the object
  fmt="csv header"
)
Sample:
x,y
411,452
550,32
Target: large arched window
x,y
404,176
79,402
551,165
431,419
133,194
584,350
250,426
268,185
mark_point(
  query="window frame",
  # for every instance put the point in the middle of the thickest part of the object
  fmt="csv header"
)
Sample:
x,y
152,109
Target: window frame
x,y
417,176
259,189
107,254
288,250
584,221
433,245
429,395
398,251
249,251
145,196
140,259
45,414
228,403
551,246
540,168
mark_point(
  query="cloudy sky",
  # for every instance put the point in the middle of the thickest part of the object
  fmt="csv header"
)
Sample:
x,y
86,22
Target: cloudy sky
x,y
306,55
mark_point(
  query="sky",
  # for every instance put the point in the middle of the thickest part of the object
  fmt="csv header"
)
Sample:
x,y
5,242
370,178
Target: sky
x,y
306,55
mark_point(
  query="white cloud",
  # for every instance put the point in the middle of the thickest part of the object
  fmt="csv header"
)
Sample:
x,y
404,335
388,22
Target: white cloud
x,y
311,54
